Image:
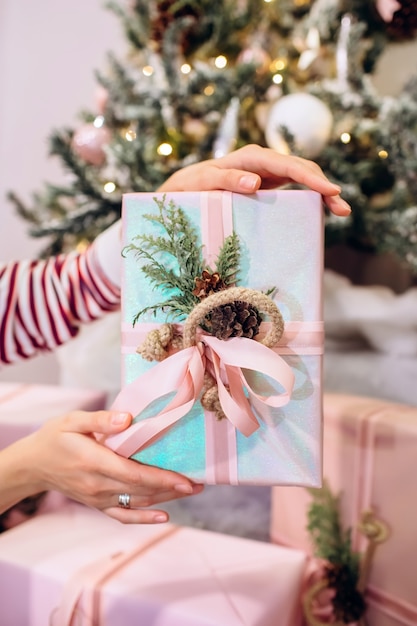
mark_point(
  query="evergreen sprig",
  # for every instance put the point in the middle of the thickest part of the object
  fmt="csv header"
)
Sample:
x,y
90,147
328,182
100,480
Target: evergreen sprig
x,y
174,259
333,543
227,264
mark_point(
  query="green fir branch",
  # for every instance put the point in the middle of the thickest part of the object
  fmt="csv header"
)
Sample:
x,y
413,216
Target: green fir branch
x,y
330,541
227,264
180,243
333,544
173,260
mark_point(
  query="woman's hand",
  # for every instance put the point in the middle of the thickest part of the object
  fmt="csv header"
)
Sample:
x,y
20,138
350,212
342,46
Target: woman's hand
x,y
251,168
66,455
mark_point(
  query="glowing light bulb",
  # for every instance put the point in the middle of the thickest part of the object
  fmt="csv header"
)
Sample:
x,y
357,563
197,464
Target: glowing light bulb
x,y
109,187
99,121
383,154
147,70
164,149
209,90
220,62
130,135
277,79
345,137
278,64
185,68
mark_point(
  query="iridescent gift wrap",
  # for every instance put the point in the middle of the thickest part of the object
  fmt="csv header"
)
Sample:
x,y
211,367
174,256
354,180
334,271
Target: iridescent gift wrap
x,y
280,233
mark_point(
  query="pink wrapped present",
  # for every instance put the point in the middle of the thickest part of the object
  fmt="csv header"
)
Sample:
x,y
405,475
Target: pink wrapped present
x,y
264,424
23,409
78,567
370,458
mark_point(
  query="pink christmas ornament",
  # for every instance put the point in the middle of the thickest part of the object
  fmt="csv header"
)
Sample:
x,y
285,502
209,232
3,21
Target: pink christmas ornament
x,y
88,143
256,55
387,8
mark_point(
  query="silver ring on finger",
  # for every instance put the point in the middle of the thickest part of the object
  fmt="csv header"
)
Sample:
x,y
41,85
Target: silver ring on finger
x,y
124,501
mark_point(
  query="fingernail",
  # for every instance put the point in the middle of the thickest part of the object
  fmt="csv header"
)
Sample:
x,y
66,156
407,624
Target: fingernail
x,y
345,205
248,182
160,518
336,187
119,418
184,488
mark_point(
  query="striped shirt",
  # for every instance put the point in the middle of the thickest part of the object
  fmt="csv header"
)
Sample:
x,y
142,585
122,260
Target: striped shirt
x,y
43,302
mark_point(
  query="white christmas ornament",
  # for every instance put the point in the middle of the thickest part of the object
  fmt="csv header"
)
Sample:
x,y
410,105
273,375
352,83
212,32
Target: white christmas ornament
x,y
308,120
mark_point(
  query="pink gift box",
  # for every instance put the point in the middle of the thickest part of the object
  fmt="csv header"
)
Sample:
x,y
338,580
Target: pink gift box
x,y
24,408
276,437
79,567
370,458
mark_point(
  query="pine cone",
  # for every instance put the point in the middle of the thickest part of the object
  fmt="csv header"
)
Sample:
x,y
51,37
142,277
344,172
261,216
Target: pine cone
x,y
237,319
348,603
207,284
164,16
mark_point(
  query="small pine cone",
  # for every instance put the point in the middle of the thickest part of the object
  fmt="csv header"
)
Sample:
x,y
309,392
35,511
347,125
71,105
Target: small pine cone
x,y
164,16
207,284
348,603
236,319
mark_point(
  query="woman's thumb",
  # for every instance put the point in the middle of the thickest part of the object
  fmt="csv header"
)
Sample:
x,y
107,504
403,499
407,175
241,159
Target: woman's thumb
x,y
100,422
119,421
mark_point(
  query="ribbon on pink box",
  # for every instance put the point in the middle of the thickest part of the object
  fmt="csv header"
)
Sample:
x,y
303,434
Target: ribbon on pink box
x,y
234,364
77,566
369,451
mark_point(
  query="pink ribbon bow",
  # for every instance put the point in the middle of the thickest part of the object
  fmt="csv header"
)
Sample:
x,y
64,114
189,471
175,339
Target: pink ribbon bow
x,y
183,373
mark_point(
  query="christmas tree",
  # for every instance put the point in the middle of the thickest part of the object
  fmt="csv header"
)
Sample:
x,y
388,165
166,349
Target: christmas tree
x,y
201,78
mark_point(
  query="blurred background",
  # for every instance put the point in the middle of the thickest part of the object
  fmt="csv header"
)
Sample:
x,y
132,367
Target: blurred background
x,y
49,53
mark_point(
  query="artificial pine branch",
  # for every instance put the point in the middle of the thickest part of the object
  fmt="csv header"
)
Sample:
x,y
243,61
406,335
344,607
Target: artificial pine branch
x,y
173,260
333,544
179,242
228,260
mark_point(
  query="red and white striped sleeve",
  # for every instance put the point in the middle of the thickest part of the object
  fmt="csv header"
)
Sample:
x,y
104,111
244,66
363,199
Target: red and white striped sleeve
x,y
43,302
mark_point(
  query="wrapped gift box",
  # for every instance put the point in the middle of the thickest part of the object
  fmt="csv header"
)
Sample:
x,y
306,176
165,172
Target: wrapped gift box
x,y
370,458
23,409
281,240
79,567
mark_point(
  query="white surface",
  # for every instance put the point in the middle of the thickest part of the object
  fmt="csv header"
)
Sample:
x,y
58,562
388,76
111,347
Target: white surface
x,y
367,373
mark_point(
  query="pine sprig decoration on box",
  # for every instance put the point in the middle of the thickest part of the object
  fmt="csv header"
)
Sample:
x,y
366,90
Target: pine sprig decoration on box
x,y
208,300
190,281
333,544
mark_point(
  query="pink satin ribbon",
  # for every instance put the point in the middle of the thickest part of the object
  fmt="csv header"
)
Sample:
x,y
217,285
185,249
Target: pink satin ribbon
x,y
183,372
80,604
304,338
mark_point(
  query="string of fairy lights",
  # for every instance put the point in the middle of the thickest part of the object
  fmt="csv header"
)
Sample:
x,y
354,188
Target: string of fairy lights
x,y
295,76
